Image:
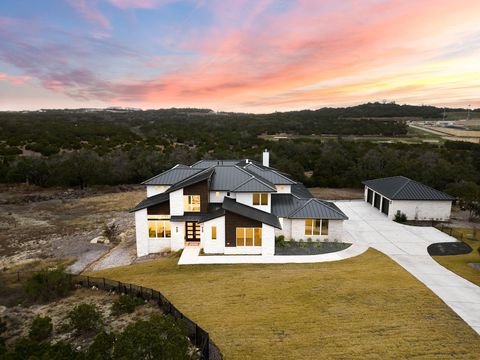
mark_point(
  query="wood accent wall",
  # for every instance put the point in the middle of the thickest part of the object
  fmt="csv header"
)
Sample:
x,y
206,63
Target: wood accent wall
x,y
232,221
160,209
201,189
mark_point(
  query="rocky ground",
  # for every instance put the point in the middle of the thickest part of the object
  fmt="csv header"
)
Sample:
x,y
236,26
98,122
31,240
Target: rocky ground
x,y
19,318
44,225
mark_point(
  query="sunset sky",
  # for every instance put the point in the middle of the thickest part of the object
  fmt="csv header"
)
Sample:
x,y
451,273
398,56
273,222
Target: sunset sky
x,y
255,56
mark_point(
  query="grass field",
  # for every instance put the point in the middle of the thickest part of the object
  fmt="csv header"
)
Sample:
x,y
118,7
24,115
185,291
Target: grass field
x,y
364,307
459,263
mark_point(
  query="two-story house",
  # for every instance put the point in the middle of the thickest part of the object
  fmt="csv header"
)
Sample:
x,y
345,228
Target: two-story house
x,y
230,207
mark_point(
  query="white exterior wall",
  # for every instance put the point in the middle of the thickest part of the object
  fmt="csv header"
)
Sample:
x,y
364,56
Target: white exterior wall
x,y
146,245
178,235
141,232
335,231
283,189
213,246
214,198
176,202
245,250
286,229
247,199
268,240
156,189
421,210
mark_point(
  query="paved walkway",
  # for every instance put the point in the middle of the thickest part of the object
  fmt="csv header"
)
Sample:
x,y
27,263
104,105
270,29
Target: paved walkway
x,y
407,245
190,256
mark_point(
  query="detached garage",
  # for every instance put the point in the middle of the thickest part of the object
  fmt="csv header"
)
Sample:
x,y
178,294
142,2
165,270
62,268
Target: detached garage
x,y
416,200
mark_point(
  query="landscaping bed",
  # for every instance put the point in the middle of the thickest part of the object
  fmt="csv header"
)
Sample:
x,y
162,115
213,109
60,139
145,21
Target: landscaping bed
x,y
449,248
309,248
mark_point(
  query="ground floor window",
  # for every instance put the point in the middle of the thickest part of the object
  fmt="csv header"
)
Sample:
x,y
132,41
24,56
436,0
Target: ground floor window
x,y
214,233
316,227
159,226
249,236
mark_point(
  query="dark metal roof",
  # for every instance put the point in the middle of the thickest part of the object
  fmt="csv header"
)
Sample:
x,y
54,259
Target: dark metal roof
x,y
317,209
151,201
251,213
284,204
227,178
172,176
195,178
403,188
203,164
269,174
300,191
255,185
213,215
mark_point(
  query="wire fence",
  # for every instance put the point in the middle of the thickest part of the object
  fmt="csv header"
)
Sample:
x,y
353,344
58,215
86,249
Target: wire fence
x,y
460,234
198,336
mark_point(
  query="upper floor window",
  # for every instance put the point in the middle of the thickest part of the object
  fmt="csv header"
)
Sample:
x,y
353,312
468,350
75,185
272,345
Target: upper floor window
x,y
279,187
316,227
191,203
260,199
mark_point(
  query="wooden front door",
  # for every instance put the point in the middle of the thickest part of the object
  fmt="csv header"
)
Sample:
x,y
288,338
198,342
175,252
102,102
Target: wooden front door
x,y
192,231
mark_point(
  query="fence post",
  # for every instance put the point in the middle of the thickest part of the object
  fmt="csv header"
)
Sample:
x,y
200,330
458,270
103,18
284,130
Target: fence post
x,y
130,288
18,276
103,283
151,292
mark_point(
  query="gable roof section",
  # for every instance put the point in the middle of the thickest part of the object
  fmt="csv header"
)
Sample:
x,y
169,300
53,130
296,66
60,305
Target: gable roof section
x,y
285,204
403,188
172,176
269,174
195,178
318,209
254,185
250,212
151,201
228,177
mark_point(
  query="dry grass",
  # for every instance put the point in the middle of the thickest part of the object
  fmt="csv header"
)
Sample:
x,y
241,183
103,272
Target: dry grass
x,y
364,307
457,132
459,263
336,194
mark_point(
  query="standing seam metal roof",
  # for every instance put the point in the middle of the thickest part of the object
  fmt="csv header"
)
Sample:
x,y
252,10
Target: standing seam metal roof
x,y
403,188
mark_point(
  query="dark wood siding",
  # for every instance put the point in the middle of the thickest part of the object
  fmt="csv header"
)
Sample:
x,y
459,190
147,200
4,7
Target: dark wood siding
x,y
232,221
201,189
160,209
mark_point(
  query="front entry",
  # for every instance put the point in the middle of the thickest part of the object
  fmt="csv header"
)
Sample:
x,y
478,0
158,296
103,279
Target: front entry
x,y
192,231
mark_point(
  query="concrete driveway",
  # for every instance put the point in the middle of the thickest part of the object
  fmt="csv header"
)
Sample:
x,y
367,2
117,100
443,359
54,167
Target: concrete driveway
x,y
407,245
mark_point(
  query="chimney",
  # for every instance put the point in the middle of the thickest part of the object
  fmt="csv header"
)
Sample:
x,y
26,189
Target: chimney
x,y
266,158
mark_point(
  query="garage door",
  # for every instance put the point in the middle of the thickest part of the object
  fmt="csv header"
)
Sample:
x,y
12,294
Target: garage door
x,y
385,206
376,202
369,196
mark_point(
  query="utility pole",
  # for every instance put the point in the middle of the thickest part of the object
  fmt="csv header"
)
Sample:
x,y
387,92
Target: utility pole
x,y
468,112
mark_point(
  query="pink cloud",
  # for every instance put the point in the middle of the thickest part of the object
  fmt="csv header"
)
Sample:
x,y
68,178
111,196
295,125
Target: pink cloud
x,y
90,11
14,79
139,4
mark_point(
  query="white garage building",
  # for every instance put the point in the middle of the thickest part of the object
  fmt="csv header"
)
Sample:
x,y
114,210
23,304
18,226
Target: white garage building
x,y
416,200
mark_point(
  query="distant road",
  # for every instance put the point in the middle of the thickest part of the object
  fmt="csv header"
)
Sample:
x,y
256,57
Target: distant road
x,y
428,130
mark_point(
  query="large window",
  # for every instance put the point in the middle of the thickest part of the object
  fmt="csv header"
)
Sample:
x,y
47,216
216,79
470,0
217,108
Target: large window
x,y
191,203
316,227
249,236
159,227
260,199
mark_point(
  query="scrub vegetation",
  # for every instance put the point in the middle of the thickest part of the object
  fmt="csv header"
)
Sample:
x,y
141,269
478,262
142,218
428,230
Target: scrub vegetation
x,y
367,306
80,148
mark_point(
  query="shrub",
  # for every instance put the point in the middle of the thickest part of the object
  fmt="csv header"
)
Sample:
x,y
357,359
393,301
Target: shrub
x,y
280,241
26,348
85,318
400,217
125,304
102,347
302,243
48,285
161,337
111,232
3,328
41,328
309,240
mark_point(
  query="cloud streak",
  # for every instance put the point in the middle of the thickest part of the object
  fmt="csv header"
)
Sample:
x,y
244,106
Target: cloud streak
x,y
255,55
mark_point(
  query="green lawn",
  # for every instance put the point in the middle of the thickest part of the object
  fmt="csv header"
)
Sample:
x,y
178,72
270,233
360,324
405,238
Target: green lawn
x,y
364,307
459,263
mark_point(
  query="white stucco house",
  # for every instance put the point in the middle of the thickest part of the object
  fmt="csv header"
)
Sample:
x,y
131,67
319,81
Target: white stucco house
x,y
416,200
230,207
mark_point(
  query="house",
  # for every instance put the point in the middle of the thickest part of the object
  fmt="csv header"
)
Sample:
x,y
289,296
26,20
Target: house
x,y
230,207
416,200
